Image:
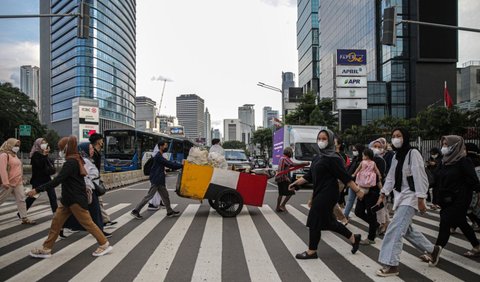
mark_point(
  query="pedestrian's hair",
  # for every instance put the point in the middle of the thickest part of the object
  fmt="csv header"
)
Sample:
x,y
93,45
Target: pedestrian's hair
x,y
288,152
368,153
95,137
215,141
161,143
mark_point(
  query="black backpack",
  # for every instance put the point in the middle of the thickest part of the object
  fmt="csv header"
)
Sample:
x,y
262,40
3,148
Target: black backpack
x,y
148,166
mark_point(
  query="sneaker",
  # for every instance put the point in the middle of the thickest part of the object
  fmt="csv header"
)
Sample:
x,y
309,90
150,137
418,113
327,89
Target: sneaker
x,y
102,250
305,255
173,213
110,223
435,255
106,234
62,235
41,253
27,221
356,244
367,242
136,214
388,271
162,204
152,207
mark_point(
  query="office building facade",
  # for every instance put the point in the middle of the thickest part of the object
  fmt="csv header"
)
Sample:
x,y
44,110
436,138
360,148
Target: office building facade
x,y
146,114
232,130
191,114
30,85
308,45
208,128
268,117
468,85
216,134
101,67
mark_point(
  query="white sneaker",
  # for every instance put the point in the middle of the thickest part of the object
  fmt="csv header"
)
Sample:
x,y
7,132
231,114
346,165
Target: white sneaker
x,y
40,253
102,250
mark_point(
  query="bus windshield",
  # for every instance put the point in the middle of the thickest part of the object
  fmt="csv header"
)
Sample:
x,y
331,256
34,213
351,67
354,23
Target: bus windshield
x,y
120,146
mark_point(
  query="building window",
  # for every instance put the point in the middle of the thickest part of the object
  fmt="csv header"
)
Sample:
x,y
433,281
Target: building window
x,y
478,76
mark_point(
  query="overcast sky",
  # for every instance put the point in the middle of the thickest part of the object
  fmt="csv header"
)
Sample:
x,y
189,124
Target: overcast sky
x,y
217,49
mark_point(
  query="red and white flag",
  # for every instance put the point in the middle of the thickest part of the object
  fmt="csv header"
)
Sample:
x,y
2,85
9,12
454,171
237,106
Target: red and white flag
x,y
277,122
447,98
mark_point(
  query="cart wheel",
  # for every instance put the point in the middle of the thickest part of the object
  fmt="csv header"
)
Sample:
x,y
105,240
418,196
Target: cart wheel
x,y
229,203
212,203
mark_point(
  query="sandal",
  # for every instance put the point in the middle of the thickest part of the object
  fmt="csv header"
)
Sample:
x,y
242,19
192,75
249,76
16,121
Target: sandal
x,y
28,221
388,271
305,255
425,257
102,250
475,252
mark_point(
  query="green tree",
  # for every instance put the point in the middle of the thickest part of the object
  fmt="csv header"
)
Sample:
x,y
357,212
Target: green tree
x,y
301,115
435,122
234,145
263,137
52,138
18,109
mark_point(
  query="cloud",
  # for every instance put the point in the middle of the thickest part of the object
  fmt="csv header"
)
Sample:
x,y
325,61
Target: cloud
x,y
14,55
217,123
277,3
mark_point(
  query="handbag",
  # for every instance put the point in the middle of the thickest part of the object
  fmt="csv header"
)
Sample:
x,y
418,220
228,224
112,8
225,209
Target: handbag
x,y
411,183
100,187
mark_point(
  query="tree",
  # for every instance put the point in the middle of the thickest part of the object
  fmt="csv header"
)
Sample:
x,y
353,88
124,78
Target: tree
x,y
301,115
263,137
52,138
435,122
234,145
18,109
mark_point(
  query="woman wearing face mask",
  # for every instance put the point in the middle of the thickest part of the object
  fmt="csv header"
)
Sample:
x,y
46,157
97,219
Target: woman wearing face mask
x,y
42,169
432,164
324,173
408,180
74,200
380,155
357,152
11,173
456,180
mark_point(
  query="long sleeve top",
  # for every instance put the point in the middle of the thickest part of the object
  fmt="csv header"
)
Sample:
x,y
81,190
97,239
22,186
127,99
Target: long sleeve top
x,y
73,184
14,176
407,197
40,169
92,173
157,174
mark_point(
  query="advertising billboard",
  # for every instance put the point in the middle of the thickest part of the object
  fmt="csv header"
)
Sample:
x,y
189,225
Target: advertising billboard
x,y
351,104
351,57
277,145
347,93
351,70
351,81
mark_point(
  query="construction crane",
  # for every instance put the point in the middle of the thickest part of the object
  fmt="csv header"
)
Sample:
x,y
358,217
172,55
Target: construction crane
x,y
165,80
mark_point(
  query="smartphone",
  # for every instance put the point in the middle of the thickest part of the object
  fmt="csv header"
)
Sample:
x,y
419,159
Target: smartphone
x,y
377,208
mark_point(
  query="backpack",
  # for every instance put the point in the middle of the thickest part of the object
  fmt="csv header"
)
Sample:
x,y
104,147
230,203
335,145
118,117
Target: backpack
x,y
147,167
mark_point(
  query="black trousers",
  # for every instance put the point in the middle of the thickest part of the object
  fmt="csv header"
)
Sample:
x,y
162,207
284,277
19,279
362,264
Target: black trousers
x,y
454,217
52,197
363,211
335,226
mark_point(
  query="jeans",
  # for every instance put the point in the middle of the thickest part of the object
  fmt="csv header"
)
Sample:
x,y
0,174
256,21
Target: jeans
x,y
162,190
350,201
401,226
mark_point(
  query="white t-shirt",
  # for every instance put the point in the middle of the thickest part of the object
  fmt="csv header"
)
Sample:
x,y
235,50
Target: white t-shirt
x,y
217,149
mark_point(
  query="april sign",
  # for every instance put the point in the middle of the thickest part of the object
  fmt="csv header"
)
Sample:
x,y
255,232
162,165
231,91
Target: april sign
x,y
351,57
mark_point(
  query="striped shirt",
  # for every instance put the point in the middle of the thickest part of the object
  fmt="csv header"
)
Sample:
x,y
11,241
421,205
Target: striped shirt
x,y
284,164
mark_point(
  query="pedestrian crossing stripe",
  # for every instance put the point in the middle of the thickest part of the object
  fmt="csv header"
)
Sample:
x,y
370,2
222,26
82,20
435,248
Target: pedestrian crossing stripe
x,y
257,250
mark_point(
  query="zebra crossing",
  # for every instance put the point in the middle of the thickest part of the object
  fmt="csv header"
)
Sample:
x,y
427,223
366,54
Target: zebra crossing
x,y
199,245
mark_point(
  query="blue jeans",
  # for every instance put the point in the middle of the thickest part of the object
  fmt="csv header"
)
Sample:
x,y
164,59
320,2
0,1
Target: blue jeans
x,y
401,226
350,200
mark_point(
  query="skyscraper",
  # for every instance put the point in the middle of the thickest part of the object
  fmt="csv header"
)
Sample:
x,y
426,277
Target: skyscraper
x,y
102,67
208,128
268,116
30,84
191,114
308,45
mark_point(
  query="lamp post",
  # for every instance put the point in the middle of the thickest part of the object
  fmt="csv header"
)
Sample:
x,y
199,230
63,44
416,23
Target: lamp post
x,y
273,88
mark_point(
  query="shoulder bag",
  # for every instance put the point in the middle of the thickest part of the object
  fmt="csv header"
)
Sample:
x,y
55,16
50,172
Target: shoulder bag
x,y
100,187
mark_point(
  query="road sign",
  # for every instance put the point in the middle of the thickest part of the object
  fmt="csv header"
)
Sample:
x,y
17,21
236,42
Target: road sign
x,y
25,130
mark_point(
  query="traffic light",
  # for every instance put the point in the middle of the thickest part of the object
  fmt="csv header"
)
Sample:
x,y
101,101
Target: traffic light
x,y
84,21
389,34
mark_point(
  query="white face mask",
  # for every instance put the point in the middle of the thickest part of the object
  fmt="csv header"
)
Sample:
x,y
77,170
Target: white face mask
x,y
445,150
435,156
322,144
397,142
43,146
61,154
16,149
376,151
355,153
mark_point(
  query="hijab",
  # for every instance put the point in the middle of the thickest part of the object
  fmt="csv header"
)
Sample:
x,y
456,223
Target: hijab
x,y
36,146
8,145
69,144
84,149
457,149
329,151
400,155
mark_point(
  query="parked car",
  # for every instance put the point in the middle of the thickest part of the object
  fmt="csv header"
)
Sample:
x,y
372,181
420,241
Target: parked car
x,y
237,160
259,163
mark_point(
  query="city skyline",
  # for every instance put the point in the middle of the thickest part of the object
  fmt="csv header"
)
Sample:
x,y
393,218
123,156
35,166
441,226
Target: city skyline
x,y
219,54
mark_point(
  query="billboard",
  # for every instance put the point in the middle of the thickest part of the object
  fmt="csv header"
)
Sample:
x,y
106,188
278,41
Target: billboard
x,y
351,104
347,93
351,70
351,57
88,114
277,145
351,81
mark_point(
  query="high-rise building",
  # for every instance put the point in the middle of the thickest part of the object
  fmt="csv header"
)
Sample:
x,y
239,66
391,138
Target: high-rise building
x,y
268,116
45,64
30,85
308,45
101,67
191,114
146,113
468,85
232,130
216,134
246,116
208,128
288,82
164,122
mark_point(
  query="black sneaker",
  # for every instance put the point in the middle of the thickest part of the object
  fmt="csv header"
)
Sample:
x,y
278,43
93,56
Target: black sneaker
x,y
356,244
61,235
106,234
173,213
136,214
435,255
162,204
110,223
152,207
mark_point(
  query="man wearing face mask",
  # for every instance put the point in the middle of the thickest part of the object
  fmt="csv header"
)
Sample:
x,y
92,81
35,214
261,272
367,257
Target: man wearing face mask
x,y
11,176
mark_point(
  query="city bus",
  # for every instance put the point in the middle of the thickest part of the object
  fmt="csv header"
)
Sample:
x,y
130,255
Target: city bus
x,y
125,148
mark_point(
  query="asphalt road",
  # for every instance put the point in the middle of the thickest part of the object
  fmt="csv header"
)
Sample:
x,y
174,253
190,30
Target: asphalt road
x,y
258,245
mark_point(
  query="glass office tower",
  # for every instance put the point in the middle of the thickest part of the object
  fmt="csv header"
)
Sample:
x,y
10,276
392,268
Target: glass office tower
x,y
308,45
101,67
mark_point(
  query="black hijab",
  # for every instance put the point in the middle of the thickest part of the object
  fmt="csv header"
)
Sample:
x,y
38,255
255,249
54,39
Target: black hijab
x,y
329,151
400,155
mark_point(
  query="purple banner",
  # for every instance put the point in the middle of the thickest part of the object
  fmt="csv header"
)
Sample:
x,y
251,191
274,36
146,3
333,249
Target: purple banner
x,y
351,57
277,146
